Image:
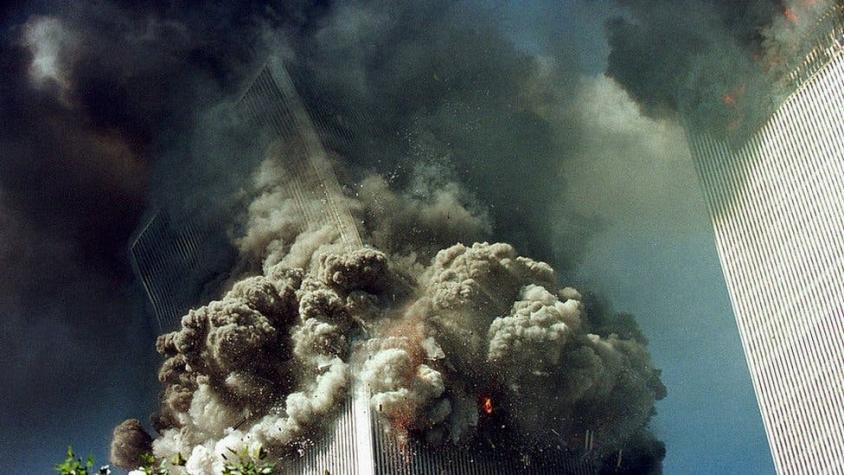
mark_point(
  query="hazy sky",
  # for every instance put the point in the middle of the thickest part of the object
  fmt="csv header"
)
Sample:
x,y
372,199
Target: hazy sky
x,y
657,259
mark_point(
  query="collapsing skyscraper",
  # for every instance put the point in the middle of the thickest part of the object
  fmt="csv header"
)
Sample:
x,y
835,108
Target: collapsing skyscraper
x,y
777,206
273,105
357,441
181,261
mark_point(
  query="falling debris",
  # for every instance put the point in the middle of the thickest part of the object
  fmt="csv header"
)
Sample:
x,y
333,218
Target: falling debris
x,y
428,327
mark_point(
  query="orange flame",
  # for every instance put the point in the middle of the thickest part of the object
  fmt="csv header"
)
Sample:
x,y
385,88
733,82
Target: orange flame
x,y
486,405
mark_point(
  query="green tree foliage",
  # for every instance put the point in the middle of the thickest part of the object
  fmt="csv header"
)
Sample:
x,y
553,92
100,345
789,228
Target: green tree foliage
x,y
73,465
248,463
148,467
243,462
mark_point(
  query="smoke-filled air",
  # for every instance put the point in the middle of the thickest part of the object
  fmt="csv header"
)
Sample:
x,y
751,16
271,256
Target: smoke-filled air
x,y
486,147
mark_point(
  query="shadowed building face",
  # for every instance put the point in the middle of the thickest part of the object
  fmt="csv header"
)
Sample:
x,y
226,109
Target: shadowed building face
x,y
777,204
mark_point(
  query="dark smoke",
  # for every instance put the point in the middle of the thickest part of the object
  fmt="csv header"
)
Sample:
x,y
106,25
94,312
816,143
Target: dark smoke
x,y
92,96
110,109
272,356
665,50
717,65
445,87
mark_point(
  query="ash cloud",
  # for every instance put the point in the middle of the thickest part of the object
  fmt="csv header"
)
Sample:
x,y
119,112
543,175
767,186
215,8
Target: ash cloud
x,y
443,85
273,360
129,442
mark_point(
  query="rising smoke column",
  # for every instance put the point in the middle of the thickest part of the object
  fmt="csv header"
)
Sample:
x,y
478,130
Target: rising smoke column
x,y
445,87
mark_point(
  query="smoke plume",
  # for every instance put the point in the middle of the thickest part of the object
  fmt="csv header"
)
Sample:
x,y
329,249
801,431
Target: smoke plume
x,y
718,65
435,96
94,98
129,442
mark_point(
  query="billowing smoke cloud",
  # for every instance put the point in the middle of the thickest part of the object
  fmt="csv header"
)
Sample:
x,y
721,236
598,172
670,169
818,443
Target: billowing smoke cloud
x,y
720,65
283,336
492,323
412,225
444,87
270,362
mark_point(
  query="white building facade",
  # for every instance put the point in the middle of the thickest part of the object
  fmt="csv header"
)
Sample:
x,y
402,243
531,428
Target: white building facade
x,y
359,442
777,206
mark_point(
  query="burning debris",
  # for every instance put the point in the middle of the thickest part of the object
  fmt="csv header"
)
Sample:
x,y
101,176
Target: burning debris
x,y
486,405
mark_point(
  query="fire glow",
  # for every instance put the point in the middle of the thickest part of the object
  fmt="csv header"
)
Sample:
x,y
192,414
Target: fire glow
x,y
486,405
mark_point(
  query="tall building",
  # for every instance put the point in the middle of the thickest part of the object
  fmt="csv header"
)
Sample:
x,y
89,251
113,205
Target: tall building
x,y
181,261
777,205
359,443
293,138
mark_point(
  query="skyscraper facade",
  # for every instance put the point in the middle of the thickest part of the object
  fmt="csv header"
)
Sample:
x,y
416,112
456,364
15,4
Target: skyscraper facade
x,y
777,207
181,261
295,139
358,442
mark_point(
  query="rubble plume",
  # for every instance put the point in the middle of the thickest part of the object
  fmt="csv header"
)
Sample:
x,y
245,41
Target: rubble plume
x,y
271,362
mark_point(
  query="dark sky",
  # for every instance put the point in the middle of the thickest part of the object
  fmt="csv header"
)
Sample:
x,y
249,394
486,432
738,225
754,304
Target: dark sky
x,y
106,109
